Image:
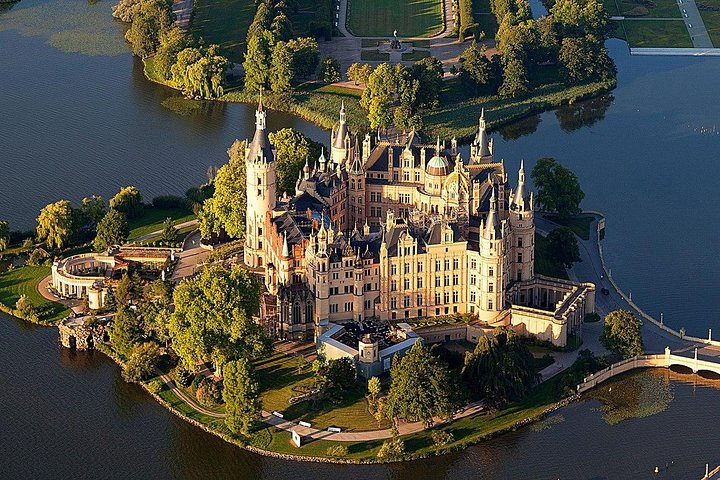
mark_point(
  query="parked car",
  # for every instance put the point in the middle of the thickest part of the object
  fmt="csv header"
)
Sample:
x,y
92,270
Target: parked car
x,y
605,291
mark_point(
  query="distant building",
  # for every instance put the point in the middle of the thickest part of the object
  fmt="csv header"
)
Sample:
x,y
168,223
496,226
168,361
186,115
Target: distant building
x,y
392,228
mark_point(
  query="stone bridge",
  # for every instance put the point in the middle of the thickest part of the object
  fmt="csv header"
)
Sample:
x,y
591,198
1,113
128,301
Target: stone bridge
x,y
647,361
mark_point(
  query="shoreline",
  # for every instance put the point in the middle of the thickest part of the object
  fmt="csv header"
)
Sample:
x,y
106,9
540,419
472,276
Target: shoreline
x,y
536,105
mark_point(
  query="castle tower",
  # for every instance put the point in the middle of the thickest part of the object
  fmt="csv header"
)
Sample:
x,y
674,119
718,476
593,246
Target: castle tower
x,y
490,301
340,140
522,237
481,149
358,296
356,183
261,190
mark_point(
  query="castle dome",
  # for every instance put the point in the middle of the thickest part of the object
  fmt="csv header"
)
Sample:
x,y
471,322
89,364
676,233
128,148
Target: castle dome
x,y
437,166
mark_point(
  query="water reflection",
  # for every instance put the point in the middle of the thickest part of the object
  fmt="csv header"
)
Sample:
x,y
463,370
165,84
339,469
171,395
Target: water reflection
x,y
526,126
583,114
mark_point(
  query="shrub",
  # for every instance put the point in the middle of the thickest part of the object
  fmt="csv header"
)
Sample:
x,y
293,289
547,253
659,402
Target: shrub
x,y
37,257
24,307
441,437
183,377
467,19
337,451
142,362
393,449
209,392
172,201
155,385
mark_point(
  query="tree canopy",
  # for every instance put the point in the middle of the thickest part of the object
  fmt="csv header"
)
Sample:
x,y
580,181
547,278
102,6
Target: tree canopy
x,y
621,334
225,211
93,208
563,247
293,150
113,229
558,188
500,368
129,201
198,72
421,387
55,224
4,235
213,317
330,70
240,393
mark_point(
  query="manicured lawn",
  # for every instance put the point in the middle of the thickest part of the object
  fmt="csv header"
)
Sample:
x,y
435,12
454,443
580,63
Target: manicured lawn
x,y
543,264
278,376
224,22
580,225
373,56
650,9
711,20
415,55
24,281
657,34
379,18
153,218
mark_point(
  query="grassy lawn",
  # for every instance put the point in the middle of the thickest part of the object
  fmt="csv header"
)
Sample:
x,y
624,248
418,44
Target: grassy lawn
x,y
648,8
711,20
415,55
378,18
24,281
580,225
153,218
278,377
224,22
543,264
657,34
374,56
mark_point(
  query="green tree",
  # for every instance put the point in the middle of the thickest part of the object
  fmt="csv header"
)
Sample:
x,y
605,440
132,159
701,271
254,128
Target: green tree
x,y
377,98
341,373
124,331
4,235
110,302
170,233
113,229
558,188
621,334
515,77
123,294
359,73
500,368
257,59
421,387
330,70
240,393
129,201
281,73
199,72
225,211
374,388
563,247
281,28
429,74
172,43
149,20
305,56
24,306
585,59
293,149
392,449
576,18
93,208
213,317
478,74
142,361
55,224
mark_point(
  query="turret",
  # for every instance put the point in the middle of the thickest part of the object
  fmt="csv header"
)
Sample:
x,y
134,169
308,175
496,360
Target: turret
x,y
322,159
340,140
522,222
481,148
261,189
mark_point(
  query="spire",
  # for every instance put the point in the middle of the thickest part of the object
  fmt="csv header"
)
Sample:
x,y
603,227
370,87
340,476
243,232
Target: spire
x,y
285,249
322,159
342,111
260,115
519,198
306,169
492,224
356,167
260,149
481,139
342,137
437,147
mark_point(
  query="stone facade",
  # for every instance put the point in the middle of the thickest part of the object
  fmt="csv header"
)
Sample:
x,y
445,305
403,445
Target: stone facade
x,y
393,228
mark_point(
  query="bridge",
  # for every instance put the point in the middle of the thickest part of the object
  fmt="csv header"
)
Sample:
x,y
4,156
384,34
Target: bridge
x,y
710,475
666,360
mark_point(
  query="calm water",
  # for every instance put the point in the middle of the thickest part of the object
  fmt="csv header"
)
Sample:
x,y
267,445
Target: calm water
x,y
77,117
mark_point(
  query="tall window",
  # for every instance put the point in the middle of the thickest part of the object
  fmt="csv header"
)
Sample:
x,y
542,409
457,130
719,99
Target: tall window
x,y
456,296
419,300
456,263
491,272
420,282
437,282
393,269
519,241
456,279
420,266
406,284
393,285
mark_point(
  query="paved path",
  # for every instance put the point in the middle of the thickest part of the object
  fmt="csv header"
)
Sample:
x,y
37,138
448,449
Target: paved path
x,y
695,25
191,257
75,304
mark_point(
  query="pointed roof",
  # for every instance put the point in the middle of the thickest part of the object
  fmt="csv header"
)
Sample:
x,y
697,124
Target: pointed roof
x,y
356,167
285,249
492,228
518,202
342,132
481,138
260,147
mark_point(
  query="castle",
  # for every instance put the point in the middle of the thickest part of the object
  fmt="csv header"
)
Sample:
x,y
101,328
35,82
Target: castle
x,y
390,228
